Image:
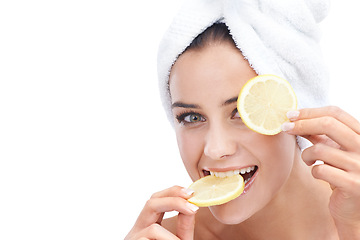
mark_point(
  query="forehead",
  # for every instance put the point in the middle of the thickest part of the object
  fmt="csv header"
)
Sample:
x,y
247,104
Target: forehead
x,y
217,69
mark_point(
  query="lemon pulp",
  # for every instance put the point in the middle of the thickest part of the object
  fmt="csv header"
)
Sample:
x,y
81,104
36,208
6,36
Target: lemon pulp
x,y
212,190
263,103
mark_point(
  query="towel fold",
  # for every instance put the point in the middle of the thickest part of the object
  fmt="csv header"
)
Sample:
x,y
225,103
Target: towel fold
x,y
278,37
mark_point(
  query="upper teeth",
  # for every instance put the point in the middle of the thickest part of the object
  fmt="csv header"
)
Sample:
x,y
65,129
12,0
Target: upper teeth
x,y
232,172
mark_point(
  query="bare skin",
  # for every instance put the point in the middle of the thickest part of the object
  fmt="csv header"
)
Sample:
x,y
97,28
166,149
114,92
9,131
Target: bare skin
x,y
288,198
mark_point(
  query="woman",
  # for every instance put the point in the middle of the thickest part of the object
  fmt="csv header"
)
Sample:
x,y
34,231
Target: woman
x,y
286,196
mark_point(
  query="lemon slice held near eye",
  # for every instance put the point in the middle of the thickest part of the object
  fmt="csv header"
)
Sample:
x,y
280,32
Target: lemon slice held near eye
x,y
263,103
212,190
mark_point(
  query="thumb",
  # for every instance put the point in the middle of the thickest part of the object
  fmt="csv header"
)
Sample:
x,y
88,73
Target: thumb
x,y
185,226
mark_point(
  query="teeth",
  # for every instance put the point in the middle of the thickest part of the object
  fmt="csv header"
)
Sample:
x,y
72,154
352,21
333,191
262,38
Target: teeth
x,y
222,174
232,172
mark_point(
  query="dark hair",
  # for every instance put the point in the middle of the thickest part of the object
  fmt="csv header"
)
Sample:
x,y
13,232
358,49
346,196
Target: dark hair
x,y
218,32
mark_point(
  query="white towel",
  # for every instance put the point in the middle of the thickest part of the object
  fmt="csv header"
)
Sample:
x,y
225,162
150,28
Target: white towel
x,y
278,37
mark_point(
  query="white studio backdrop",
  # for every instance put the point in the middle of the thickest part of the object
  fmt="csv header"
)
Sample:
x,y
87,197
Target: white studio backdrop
x,y
84,141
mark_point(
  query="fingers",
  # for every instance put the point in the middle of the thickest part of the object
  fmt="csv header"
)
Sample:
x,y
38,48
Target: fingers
x,y
332,156
154,231
336,138
185,226
341,168
338,178
172,199
334,129
175,191
148,224
333,111
329,174
330,121
322,139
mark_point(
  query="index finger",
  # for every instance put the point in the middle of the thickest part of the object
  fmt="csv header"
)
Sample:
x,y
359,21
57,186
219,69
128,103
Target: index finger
x,y
329,126
332,111
171,199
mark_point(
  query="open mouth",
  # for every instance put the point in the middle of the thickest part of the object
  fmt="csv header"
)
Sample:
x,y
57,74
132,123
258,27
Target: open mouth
x,y
246,173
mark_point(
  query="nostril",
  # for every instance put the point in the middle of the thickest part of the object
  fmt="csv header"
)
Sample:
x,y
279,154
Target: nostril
x,y
218,152
220,144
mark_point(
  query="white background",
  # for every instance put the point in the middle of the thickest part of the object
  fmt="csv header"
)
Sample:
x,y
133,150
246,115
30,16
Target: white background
x,y
84,141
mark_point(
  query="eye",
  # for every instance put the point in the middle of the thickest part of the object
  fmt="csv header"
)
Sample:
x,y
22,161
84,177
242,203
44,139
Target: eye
x,y
235,114
190,117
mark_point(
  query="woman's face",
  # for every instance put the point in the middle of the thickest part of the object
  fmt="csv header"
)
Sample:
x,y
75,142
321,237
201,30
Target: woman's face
x,y
204,86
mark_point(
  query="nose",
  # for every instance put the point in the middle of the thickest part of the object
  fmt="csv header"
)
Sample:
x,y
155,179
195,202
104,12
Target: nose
x,y
220,142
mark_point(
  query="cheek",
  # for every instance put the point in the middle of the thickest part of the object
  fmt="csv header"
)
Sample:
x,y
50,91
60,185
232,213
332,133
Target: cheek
x,y
275,150
191,149
284,148
278,162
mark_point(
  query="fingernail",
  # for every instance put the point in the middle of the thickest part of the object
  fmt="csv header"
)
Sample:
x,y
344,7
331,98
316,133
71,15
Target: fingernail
x,y
292,115
187,191
287,126
192,207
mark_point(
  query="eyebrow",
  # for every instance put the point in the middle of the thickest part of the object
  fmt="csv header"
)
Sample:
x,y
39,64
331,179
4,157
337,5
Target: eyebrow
x,y
185,105
230,101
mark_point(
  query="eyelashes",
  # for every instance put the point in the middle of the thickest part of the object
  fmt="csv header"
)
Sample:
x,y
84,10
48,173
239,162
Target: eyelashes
x,y
191,117
235,114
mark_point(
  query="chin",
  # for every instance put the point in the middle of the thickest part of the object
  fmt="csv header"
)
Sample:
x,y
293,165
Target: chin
x,y
230,213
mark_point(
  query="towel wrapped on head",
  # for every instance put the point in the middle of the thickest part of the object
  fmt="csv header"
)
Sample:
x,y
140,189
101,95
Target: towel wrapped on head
x,y
279,37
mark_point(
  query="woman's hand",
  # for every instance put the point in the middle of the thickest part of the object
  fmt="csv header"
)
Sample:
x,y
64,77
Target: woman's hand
x,y
148,224
336,138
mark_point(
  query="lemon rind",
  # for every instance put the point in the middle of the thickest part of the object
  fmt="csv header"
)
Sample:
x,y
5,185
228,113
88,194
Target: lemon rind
x,y
219,200
246,88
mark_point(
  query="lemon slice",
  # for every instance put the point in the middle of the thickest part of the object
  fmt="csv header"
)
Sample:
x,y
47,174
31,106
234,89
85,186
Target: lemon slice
x,y
263,103
212,190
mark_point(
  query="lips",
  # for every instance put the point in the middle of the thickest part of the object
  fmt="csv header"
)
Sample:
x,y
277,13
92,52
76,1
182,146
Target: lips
x,y
247,173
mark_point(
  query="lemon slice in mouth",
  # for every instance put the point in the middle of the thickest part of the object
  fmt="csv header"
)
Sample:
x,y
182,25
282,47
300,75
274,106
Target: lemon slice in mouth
x,y
213,190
